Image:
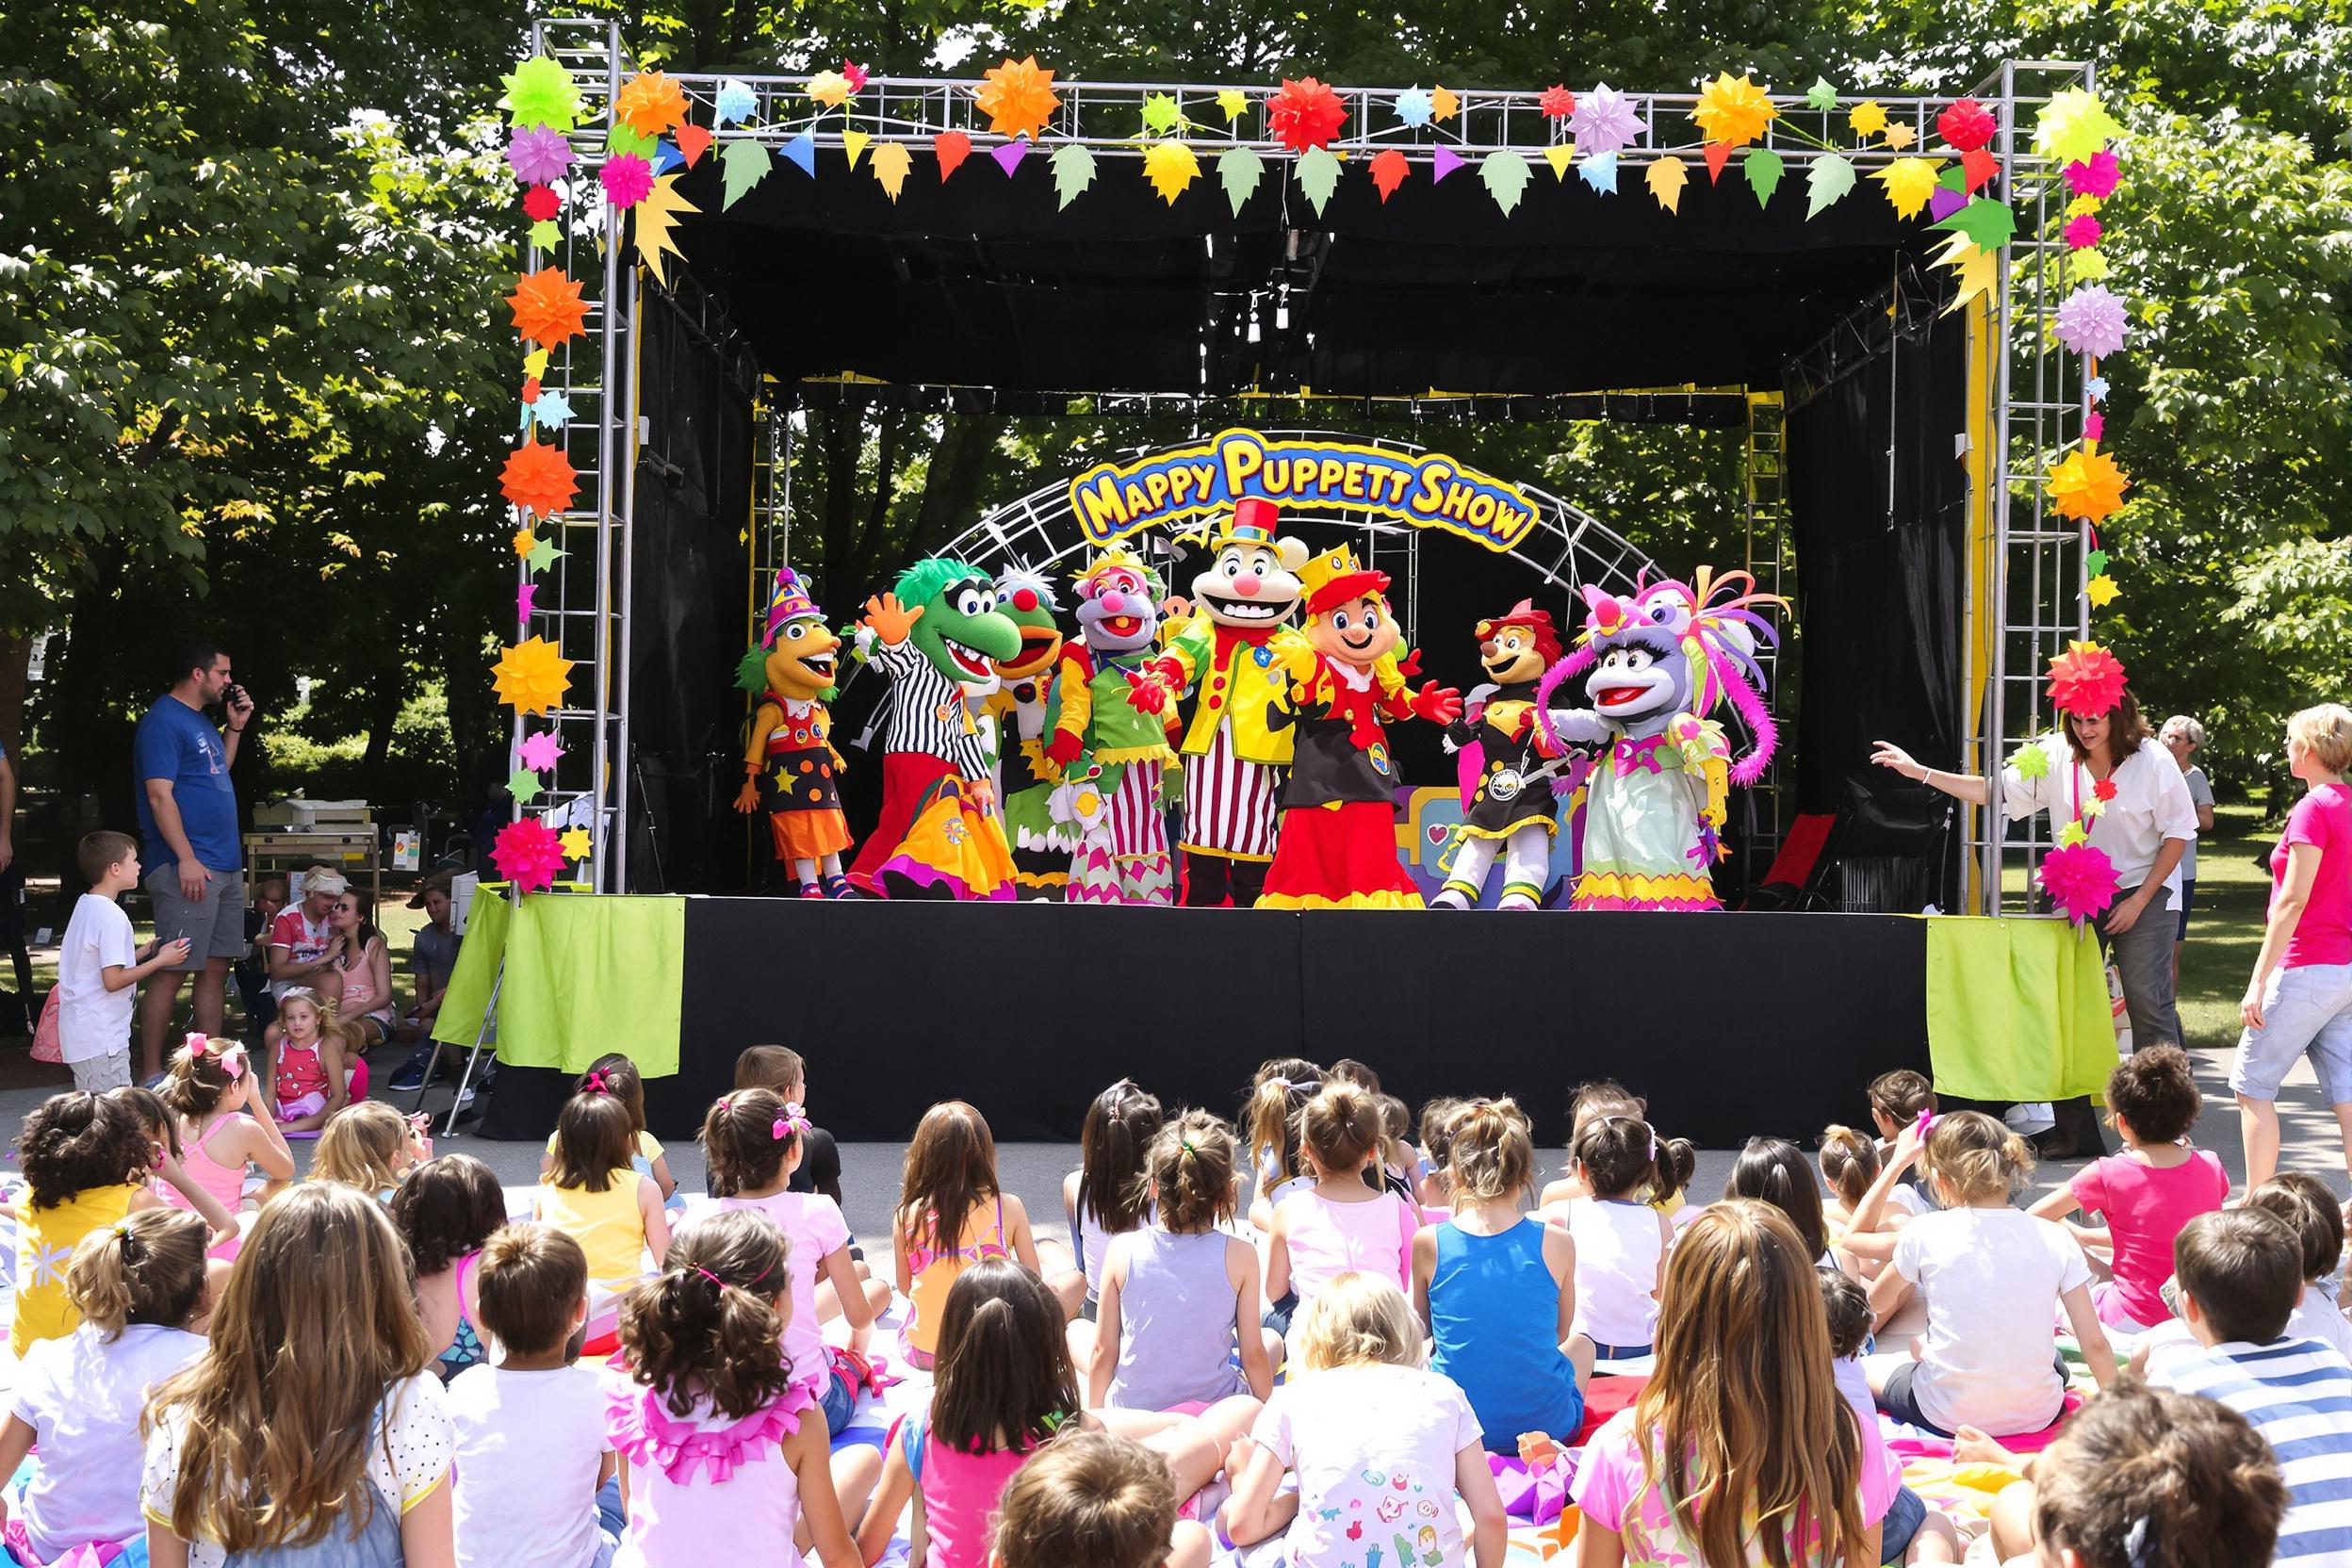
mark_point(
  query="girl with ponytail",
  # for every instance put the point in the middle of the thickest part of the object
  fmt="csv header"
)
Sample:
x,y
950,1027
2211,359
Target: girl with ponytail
x,y
721,1445
1278,1096
140,1286
1497,1290
221,1106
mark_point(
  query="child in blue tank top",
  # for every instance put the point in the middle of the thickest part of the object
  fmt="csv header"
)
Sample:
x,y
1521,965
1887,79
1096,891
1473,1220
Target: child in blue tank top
x,y
1498,1288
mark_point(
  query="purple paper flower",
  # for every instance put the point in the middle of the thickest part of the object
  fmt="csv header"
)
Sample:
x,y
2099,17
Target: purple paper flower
x,y
539,154
2091,321
2082,230
2097,178
628,179
1605,121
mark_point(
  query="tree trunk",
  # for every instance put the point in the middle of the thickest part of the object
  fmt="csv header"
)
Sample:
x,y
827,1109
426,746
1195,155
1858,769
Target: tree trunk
x,y
967,443
16,655
381,710
840,434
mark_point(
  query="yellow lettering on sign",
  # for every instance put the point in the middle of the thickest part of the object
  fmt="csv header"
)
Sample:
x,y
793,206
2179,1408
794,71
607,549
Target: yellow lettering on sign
x,y
1457,504
1099,506
1352,483
1156,485
1481,510
1427,500
1242,458
1136,500
1328,474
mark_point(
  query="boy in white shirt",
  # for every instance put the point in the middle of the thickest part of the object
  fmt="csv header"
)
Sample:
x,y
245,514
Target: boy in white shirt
x,y
100,965
536,1482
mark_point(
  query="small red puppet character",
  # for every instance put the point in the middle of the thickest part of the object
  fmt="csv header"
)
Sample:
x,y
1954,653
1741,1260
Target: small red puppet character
x,y
1337,849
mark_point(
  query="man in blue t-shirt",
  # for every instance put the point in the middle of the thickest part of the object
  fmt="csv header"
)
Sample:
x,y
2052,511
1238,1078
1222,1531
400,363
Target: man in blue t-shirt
x,y
188,838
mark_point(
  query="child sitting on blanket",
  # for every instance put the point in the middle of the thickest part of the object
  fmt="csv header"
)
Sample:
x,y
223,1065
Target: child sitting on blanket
x,y
723,1449
950,1215
598,1198
447,1210
1180,1297
2146,1193
1620,1237
1740,1449
370,1146
1591,1103
1912,1532
140,1286
1994,1279
615,1074
1099,1499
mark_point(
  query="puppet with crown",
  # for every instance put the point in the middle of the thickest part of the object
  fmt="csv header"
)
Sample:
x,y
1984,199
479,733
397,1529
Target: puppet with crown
x,y
1337,847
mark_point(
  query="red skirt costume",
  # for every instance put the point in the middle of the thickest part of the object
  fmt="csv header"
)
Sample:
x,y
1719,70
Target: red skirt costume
x,y
1337,849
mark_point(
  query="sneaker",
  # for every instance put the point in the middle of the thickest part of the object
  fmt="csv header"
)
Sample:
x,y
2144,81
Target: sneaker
x,y
410,1076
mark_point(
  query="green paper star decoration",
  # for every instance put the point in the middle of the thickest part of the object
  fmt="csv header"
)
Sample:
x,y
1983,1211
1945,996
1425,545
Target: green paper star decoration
x,y
544,554
2095,563
1160,114
541,92
523,784
1822,94
2031,760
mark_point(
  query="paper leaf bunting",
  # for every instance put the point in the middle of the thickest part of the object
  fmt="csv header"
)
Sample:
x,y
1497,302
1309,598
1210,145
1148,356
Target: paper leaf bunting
x,y
527,853
539,92
1975,271
551,410
1821,95
1560,156
692,141
627,179
1008,157
2101,591
1987,223
532,676
1897,137
1414,108
735,102
1072,164
539,478
1170,167
743,163
539,751
1718,153
1977,166
1762,167
1505,174
2085,679
1826,183
1605,121
1388,169
1443,162
523,786
2087,486
1965,126
2095,562
620,137
801,153
1240,170
951,148
1318,176
1600,172
1867,119
548,307
1910,182
2080,879
1666,178
829,87
854,144
657,216
2091,321
649,103
526,601
890,165
1017,97
1444,105
538,154
1733,109
1304,115
544,554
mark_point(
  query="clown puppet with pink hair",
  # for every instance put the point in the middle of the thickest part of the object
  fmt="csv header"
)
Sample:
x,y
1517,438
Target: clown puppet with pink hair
x,y
1656,664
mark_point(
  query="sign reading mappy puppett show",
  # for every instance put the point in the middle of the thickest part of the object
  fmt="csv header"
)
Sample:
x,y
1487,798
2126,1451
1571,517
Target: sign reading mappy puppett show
x,y
1113,501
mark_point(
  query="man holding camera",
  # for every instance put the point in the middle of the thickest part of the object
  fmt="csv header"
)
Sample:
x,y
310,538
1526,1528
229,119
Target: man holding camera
x,y
189,839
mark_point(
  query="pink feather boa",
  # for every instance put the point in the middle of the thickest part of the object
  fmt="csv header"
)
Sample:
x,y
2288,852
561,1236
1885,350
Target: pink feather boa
x,y
640,1426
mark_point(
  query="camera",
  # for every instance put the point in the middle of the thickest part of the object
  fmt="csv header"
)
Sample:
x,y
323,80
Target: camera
x,y
231,695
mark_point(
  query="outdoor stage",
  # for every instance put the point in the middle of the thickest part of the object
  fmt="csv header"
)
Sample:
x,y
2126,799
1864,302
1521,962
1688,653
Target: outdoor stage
x,y
1732,1025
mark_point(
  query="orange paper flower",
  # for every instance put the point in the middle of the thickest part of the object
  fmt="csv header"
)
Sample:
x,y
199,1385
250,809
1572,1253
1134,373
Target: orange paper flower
x,y
539,478
548,307
649,103
531,676
1304,114
2087,486
1017,97
1733,111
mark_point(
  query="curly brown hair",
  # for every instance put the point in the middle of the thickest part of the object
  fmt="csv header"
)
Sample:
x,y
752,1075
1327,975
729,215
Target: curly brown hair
x,y
77,1140
711,1325
2192,1479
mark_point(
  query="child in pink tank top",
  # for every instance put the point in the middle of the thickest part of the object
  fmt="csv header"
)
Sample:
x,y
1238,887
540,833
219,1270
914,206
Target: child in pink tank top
x,y
1342,1224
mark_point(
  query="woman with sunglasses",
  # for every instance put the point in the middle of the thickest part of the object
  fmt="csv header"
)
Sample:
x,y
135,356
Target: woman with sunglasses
x,y
364,964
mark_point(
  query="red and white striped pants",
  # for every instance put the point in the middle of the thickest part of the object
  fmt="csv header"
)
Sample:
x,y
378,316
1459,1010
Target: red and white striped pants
x,y
1231,806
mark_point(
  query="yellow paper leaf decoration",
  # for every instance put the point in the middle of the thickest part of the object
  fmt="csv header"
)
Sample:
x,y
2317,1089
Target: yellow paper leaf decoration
x,y
1170,167
1017,97
1233,100
2086,266
532,676
1444,105
829,87
525,541
2101,591
1978,269
1898,137
1733,111
1560,156
890,162
657,216
1666,178
2087,486
1867,119
1910,183
573,843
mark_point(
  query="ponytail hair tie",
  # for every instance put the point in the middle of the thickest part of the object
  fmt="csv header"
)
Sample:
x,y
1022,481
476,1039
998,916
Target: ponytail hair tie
x,y
1186,1146
708,1275
595,1084
792,1121
726,1103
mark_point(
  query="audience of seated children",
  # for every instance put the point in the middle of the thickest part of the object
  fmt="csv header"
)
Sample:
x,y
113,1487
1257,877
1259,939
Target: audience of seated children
x,y
1588,1104
1099,1499
596,1195
1340,1224
311,1072
1912,1532
781,1069
2146,1193
950,1215
1496,1288
1381,1446
139,1286
1619,1162
305,1428
447,1210
85,1161
167,1182
1775,1171
616,1075
2312,1211
1104,1197
536,1476
1278,1095
370,1146
1436,1146
225,1125
1179,1319
722,1445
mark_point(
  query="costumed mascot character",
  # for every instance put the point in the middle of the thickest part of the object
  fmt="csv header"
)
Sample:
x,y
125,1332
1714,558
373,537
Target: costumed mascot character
x,y
1655,666
1024,779
1337,845
1507,802
1101,734
936,636
791,764
1235,761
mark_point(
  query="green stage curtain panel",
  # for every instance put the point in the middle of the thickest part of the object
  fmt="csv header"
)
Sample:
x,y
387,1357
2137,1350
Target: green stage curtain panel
x,y
2016,1009
582,976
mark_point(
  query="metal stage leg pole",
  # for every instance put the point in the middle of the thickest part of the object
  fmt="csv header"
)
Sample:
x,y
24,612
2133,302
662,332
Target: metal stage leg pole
x,y
473,1056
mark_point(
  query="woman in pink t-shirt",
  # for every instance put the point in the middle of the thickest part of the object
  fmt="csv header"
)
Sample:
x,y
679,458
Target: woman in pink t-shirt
x,y
2146,1193
2300,998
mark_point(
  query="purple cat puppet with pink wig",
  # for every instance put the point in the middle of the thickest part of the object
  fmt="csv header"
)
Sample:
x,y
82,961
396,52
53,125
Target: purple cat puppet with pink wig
x,y
1656,664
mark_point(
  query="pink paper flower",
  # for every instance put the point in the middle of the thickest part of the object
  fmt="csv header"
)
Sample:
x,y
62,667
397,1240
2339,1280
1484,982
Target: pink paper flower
x,y
538,154
2094,426
2082,230
2085,679
528,852
2097,178
854,74
2091,321
2080,881
628,179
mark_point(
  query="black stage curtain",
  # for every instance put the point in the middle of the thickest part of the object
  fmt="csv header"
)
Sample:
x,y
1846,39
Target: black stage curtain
x,y
689,570
1881,579
1726,1023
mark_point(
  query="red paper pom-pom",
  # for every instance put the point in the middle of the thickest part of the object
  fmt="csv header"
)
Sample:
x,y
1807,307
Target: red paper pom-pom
x,y
2080,881
2104,788
1964,126
1304,114
528,852
2085,679
1558,103
541,202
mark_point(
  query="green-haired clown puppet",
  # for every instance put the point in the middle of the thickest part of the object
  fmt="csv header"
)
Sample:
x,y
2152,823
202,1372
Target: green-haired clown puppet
x,y
790,766
937,637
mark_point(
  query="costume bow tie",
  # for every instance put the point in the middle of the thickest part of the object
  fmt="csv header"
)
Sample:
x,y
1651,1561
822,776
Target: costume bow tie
x,y
1632,755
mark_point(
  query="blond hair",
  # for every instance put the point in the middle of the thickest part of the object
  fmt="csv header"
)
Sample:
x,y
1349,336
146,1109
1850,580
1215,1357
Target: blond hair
x,y
2326,732
1490,1153
1358,1318
359,1146
1975,1156
149,1268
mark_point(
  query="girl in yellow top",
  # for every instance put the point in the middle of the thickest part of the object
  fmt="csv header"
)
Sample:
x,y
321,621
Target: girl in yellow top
x,y
595,1197
950,1215
86,1159
615,1074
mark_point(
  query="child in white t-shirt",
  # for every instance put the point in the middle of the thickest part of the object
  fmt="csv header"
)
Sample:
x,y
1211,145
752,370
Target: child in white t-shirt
x,y
101,964
536,1481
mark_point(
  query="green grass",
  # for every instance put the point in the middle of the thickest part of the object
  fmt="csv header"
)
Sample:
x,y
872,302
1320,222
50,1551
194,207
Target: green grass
x,y
2226,930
